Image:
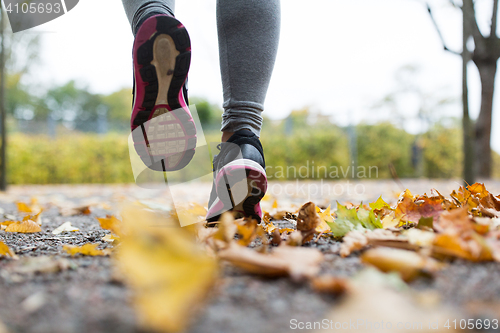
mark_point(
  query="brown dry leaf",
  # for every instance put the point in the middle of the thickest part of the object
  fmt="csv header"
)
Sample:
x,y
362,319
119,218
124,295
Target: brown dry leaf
x,y
86,250
75,210
298,262
295,239
353,241
307,218
331,285
111,223
411,209
27,226
6,251
474,247
458,237
276,240
407,263
65,227
167,270
358,240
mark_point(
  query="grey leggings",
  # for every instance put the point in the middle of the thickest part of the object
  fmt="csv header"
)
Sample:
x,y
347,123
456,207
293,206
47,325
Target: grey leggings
x,y
248,32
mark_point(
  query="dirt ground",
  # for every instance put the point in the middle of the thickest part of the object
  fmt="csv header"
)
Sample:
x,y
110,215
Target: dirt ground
x,y
83,294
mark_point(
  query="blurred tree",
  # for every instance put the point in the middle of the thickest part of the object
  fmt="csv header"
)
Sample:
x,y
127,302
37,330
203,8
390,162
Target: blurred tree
x,y
74,106
210,114
19,52
485,55
119,104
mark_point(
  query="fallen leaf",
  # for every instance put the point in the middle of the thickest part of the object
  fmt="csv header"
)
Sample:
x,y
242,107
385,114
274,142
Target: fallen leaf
x,y
167,270
111,223
86,250
407,263
307,221
420,237
325,216
23,208
65,227
331,285
298,262
110,238
390,222
27,226
74,210
352,241
307,218
6,251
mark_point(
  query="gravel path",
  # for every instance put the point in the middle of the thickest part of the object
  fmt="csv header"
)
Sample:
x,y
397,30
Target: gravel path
x,y
82,294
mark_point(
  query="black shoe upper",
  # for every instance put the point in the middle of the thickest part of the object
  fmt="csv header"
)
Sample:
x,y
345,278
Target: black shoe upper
x,y
242,144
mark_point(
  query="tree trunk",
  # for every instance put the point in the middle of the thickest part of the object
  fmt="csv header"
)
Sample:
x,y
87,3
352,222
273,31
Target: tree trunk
x,y
487,71
467,126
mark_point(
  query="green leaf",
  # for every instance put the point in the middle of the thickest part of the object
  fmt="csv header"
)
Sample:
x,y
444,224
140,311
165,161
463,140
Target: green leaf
x,y
425,222
379,204
368,219
352,219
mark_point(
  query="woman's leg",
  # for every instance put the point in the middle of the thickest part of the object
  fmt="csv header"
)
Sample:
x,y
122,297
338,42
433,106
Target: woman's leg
x,y
139,10
248,42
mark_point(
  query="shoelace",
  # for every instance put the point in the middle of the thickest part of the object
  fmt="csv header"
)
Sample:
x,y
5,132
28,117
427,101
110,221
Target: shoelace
x,y
216,157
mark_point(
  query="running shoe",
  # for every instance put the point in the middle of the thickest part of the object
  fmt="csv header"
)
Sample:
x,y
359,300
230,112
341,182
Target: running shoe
x,y
240,179
163,129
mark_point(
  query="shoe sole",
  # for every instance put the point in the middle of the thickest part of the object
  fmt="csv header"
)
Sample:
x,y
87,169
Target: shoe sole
x,y
163,129
240,187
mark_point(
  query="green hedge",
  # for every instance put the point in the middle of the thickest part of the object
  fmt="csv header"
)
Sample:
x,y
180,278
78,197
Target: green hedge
x,y
91,158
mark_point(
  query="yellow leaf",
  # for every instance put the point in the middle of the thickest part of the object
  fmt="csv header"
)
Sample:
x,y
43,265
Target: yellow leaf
x,y
407,263
27,226
65,227
35,218
86,250
269,227
275,204
5,224
6,251
168,272
110,238
23,208
111,223
390,222
326,216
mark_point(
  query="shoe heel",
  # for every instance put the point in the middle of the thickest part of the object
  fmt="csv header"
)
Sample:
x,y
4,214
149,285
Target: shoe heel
x,y
241,185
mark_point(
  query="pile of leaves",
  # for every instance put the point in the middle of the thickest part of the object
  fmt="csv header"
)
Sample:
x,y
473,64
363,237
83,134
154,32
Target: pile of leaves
x,y
172,269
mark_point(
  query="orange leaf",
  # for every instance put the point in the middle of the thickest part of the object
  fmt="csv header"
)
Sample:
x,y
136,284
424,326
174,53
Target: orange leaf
x,y
27,226
110,223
